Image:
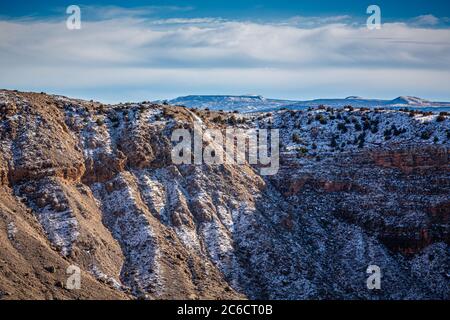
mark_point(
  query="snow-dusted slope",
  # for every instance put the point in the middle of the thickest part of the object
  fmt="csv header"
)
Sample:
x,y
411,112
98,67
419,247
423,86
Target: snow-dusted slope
x,y
255,103
94,186
245,103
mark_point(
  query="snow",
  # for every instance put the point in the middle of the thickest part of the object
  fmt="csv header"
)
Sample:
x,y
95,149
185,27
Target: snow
x,y
12,230
312,133
98,274
237,226
61,227
250,104
131,227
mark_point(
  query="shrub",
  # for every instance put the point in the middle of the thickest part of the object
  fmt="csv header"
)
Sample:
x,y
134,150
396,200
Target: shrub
x,y
398,132
321,119
232,120
99,122
425,135
362,140
361,144
349,108
333,143
366,125
374,129
302,150
342,127
217,119
296,138
358,126
113,118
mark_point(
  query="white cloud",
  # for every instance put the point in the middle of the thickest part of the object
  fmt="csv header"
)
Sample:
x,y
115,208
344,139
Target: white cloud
x,y
215,56
93,12
309,22
426,20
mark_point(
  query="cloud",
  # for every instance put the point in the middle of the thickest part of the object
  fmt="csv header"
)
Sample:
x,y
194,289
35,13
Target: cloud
x,y
426,20
96,13
311,22
208,55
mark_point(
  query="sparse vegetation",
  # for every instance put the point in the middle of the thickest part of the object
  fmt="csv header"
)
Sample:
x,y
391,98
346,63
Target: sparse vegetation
x,y
232,120
441,117
321,119
349,108
217,119
333,143
296,138
425,135
302,151
342,127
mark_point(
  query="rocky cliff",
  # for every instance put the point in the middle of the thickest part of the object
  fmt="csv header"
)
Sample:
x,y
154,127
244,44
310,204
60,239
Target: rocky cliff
x,y
93,185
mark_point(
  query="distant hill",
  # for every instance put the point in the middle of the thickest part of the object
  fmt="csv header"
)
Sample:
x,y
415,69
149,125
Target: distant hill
x,y
244,103
257,103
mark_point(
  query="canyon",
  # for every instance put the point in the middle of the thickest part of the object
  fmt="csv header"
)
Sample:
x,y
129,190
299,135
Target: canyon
x,y
94,186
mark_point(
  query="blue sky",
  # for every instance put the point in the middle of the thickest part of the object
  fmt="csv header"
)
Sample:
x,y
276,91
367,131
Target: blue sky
x,y
141,50
244,9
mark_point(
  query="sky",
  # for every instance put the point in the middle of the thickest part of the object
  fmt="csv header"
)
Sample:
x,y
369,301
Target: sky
x,y
148,50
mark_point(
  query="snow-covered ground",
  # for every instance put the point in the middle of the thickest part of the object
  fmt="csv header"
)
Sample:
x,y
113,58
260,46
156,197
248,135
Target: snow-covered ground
x,y
254,103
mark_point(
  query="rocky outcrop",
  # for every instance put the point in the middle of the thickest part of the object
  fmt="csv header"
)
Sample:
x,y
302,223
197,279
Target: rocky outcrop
x,y
414,159
3,172
94,186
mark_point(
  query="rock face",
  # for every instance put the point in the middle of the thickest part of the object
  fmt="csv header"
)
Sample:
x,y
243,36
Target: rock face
x,y
94,186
